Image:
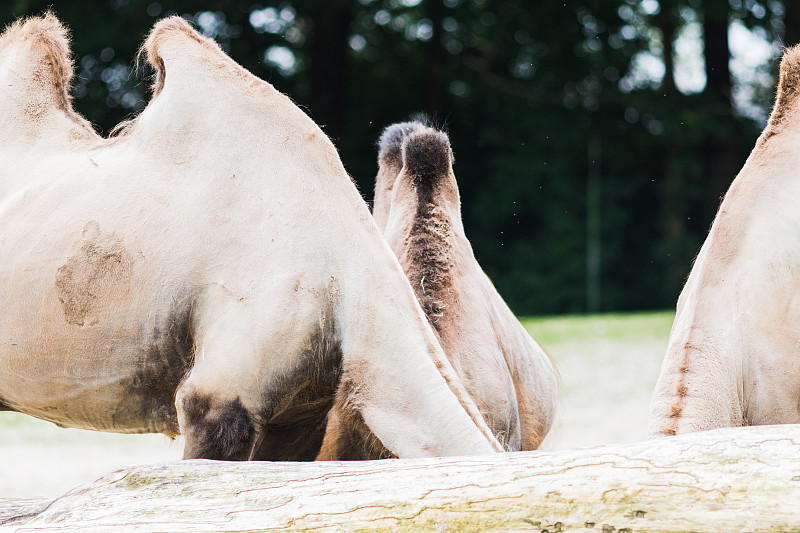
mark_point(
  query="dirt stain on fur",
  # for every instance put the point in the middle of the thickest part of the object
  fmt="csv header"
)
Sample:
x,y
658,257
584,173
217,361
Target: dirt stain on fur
x,y
98,273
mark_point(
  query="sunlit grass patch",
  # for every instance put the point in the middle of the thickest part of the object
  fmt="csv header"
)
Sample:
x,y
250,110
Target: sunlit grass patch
x,y
620,326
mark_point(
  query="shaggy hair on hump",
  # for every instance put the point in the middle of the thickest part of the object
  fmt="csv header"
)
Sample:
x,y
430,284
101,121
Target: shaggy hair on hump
x,y
788,90
391,141
164,29
47,35
427,160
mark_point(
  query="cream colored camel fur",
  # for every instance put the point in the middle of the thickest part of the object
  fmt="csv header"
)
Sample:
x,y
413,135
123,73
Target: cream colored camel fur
x,y
210,271
732,358
506,372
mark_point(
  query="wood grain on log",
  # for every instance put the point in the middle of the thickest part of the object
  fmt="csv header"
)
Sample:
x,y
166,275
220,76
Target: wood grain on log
x,y
731,479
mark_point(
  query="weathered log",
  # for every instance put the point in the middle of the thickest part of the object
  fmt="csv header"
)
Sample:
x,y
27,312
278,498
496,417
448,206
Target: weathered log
x,y
724,480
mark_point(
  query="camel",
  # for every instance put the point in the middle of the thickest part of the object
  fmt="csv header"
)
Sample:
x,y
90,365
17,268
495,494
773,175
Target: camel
x,y
508,374
210,270
732,358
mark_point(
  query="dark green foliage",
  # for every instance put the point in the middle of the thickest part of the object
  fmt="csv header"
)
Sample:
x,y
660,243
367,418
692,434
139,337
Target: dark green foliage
x,y
537,97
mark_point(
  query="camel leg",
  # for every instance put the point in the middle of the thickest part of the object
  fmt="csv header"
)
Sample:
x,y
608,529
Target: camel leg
x,y
347,438
262,381
215,428
329,450
295,426
292,442
397,382
217,403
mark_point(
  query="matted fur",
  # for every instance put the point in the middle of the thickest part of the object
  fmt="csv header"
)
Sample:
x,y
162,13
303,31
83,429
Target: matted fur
x,y
786,99
427,157
49,39
47,35
391,142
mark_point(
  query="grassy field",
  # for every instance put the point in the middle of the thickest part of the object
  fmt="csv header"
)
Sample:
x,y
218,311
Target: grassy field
x,y
608,366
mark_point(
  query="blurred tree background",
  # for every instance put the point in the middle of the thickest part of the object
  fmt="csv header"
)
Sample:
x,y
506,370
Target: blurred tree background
x,y
593,139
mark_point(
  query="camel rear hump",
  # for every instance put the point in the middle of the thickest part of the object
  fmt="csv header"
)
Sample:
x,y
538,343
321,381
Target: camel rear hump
x,y
427,160
786,99
509,376
391,142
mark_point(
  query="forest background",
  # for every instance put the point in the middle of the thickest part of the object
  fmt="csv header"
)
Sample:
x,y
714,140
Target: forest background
x,y
593,140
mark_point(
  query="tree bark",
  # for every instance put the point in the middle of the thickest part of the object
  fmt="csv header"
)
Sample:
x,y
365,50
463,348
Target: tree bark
x,y
435,97
791,23
730,479
666,21
329,65
722,162
717,50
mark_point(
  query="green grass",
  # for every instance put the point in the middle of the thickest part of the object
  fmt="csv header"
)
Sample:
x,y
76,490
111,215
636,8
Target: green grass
x,y
549,330
608,366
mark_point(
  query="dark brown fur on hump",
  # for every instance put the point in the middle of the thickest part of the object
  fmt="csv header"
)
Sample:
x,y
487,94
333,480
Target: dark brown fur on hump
x,y
788,91
427,256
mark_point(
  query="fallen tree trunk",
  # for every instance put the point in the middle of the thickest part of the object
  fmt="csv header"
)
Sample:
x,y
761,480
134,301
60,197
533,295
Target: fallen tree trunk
x,y
724,480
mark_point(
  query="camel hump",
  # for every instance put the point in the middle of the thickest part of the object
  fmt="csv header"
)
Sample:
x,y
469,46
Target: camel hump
x,y
171,39
43,62
175,48
788,87
427,156
391,141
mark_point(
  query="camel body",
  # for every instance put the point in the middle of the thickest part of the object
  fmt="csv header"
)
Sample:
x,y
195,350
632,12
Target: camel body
x,y
507,374
732,354
211,270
